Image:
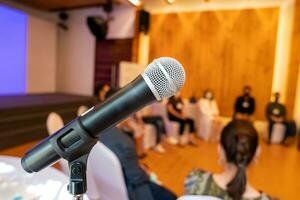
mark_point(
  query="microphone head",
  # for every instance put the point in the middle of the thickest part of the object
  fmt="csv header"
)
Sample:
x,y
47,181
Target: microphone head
x,y
165,76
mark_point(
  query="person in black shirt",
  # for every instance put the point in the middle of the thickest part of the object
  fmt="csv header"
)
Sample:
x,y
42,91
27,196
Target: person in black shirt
x,y
175,113
276,113
137,177
244,105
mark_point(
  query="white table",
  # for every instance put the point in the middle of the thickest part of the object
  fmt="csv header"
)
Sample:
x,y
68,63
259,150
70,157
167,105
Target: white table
x,y
16,184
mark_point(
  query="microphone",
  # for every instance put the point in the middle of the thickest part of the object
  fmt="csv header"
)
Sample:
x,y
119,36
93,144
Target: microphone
x,y
162,78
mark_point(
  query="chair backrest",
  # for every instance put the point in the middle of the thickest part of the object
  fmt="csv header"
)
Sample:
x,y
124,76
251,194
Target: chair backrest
x,y
82,109
197,197
278,133
106,170
54,123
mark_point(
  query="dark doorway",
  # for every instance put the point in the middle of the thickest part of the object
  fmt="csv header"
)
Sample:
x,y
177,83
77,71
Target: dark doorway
x,y
109,53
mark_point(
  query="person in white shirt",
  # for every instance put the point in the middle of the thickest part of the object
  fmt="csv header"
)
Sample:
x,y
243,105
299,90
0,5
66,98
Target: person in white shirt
x,y
209,115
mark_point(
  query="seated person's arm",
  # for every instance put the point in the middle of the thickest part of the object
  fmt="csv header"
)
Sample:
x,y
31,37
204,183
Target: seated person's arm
x,y
252,106
268,112
237,104
125,124
216,111
174,112
284,112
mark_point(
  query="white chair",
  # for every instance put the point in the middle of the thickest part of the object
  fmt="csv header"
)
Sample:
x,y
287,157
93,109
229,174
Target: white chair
x,y
82,109
277,133
197,197
54,123
149,138
209,121
105,169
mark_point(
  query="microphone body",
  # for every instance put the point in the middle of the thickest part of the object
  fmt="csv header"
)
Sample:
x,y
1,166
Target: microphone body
x,y
78,137
163,78
133,97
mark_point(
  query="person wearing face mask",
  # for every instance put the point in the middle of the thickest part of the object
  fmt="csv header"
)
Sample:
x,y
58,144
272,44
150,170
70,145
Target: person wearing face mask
x,y
237,149
245,105
276,115
209,124
175,113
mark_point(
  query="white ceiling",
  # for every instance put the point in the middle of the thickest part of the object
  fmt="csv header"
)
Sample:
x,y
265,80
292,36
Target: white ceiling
x,y
157,6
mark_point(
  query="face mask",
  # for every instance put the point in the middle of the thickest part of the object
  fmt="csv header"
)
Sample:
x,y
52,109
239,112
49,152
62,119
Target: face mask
x,y
208,95
247,93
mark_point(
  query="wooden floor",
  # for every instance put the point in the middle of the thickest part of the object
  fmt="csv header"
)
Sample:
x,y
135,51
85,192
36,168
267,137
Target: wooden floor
x,y
277,170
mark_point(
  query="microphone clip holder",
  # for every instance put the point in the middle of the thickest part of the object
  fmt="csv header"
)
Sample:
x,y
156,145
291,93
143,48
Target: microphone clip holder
x,y
78,184
75,147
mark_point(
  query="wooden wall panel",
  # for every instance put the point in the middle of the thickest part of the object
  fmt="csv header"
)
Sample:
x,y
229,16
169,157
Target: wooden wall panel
x,y
222,50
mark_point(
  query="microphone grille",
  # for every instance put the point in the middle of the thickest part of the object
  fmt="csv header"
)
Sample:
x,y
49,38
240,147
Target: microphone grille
x,y
165,76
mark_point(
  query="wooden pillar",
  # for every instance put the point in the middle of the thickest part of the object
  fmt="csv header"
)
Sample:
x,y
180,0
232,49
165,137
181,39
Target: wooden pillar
x,y
294,63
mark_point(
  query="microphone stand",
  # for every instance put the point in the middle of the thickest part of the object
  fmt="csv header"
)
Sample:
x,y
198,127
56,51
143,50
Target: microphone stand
x,y
78,185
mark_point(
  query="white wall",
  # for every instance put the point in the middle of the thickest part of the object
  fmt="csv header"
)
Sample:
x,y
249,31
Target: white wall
x,y
77,47
283,45
41,49
41,55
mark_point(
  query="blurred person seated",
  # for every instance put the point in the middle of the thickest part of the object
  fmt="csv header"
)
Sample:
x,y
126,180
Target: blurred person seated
x,y
245,105
102,89
134,129
140,182
131,126
276,115
146,116
210,124
141,185
238,148
175,113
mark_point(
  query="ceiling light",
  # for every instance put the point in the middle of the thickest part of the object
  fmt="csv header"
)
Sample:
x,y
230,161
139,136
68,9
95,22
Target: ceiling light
x,y
170,1
135,2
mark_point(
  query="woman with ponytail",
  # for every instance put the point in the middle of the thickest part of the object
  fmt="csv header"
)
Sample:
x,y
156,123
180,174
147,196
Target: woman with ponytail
x,y
237,149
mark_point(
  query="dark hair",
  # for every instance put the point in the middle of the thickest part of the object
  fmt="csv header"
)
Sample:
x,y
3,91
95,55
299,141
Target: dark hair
x,y
239,140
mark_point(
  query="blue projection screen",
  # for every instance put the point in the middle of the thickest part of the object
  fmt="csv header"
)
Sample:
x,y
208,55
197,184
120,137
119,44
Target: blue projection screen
x,y
13,40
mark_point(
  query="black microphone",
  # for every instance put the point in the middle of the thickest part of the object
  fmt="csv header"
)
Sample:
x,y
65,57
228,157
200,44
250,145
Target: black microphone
x,y
163,78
